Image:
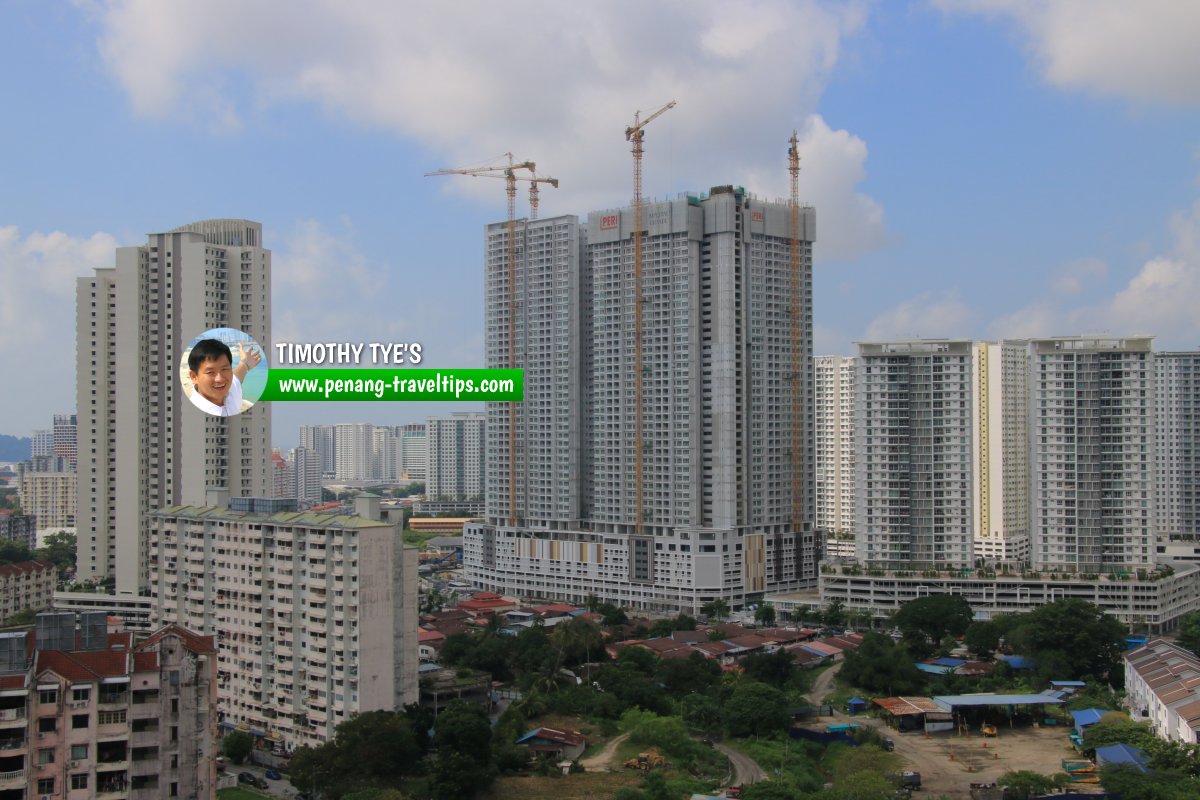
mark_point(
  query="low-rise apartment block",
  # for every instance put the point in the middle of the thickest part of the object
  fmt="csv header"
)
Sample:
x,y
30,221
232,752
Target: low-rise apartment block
x,y
25,585
316,613
85,713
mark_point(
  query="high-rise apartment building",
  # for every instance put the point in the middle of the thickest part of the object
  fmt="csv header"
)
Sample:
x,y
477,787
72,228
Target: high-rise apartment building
x,y
43,443
306,469
51,497
913,453
1091,429
455,454
64,442
355,447
1177,445
321,439
142,445
316,614
833,392
1000,448
412,452
726,490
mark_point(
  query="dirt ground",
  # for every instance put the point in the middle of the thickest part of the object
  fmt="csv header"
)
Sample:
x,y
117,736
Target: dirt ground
x,y
949,763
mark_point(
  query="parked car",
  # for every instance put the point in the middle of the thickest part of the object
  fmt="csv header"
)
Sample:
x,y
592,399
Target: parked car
x,y
248,777
889,744
273,774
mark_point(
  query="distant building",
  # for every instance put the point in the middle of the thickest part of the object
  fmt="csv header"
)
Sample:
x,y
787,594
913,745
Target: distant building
x,y
412,453
91,714
321,439
1177,445
306,472
64,439
454,455
316,613
43,443
26,585
51,497
833,384
20,528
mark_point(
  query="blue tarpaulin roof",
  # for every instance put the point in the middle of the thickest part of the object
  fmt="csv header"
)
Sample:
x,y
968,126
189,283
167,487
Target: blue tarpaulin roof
x,y
856,701
948,662
1089,716
934,669
1123,754
1019,662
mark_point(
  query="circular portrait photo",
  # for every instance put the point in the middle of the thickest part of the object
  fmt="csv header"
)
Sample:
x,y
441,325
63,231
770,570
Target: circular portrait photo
x,y
223,372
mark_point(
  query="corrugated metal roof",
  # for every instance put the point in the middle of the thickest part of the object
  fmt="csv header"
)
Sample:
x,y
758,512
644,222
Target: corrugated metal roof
x,y
903,706
952,701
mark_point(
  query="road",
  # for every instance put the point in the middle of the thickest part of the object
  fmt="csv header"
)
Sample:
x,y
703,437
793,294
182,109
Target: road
x,y
745,769
601,760
823,685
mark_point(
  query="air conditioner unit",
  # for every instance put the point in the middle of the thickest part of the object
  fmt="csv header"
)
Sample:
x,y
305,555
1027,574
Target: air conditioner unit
x,y
46,797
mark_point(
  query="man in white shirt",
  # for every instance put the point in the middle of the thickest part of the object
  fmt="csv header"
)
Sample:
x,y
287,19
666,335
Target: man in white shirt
x,y
216,384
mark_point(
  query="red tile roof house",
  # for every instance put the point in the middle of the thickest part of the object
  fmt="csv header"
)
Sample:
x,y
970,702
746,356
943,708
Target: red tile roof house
x,y
486,603
564,745
429,644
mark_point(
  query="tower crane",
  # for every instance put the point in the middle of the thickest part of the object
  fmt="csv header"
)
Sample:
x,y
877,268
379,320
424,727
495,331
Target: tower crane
x,y
636,133
797,321
509,173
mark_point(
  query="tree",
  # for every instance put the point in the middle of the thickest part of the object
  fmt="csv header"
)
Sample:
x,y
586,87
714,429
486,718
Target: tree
x,y
612,615
715,609
578,641
236,746
982,639
775,668
756,709
924,622
1130,783
834,614
878,665
371,750
463,737
1077,637
765,614
862,786
13,552
59,550
1023,784
769,790
1189,631
685,676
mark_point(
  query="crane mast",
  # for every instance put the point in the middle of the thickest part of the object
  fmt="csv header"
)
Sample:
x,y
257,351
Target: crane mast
x,y
509,173
797,321
635,133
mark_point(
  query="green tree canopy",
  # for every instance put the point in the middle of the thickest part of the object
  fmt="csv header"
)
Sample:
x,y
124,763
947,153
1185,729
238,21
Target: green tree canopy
x,y
372,750
463,737
756,709
1074,636
924,622
982,639
715,609
59,550
765,614
236,746
879,666
1189,631
1024,783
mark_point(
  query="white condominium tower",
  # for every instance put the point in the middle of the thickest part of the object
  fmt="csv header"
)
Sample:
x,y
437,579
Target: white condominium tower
x,y
1091,434
834,453
1177,444
913,451
718,298
455,454
142,445
322,440
1000,446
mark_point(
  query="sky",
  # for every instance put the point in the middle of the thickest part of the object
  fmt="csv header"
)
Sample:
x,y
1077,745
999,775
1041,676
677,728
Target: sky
x,y
979,168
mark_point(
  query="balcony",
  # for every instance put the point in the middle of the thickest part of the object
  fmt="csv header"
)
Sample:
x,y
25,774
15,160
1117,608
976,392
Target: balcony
x,y
11,717
11,743
9,779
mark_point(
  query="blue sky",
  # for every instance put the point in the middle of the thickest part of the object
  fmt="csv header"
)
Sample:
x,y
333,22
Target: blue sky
x,y
980,168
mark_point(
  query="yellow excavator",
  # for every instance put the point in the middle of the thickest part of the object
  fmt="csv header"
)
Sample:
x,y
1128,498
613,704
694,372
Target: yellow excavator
x,y
646,761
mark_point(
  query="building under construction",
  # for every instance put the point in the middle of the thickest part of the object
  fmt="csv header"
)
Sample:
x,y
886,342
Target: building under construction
x,y
704,488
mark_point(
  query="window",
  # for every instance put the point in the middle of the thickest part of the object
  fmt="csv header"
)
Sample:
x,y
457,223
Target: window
x,y
111,717
175,705
79,781
79,752
79,721
45,755
48,696
45,786
174,790
47,725
81,694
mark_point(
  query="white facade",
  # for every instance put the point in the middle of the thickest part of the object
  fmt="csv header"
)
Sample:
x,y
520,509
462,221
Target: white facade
x,y
322,440
412,459
455,447
834,454
306,469
1000,446
143,446
52,497
1091,430
718,518
316,614
1176,445
913,449
354,451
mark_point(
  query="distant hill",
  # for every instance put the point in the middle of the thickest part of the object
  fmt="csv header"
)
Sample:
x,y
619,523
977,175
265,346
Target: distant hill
x,y
14,449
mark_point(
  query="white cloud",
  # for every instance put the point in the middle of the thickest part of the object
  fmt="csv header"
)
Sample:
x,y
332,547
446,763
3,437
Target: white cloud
x,y
37,319
1160,299
926,316
552,82
1143,51
1078,275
